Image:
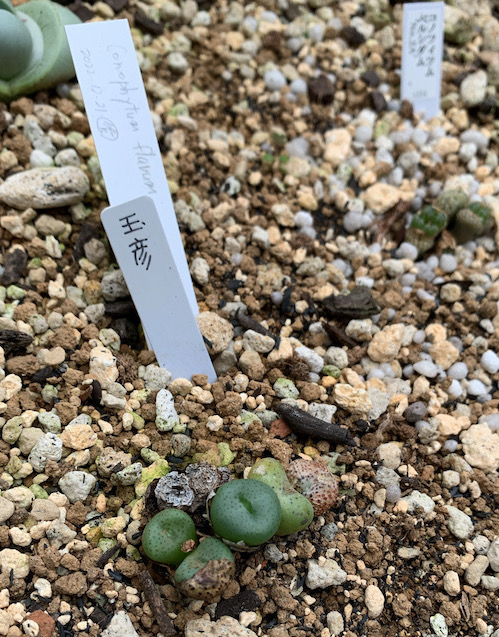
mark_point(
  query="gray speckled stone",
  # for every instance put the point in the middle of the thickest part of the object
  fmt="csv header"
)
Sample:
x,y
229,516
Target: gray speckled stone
x,y
45,188
460,524
76,485
416,499
329,574
166,415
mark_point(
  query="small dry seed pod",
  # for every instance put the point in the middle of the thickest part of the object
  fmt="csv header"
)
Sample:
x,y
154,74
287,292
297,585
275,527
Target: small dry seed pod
x,y
315,482
206,571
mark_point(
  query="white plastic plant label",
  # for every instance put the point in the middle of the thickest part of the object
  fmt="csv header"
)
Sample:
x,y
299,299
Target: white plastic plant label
x,y
422,48
120,120
139,242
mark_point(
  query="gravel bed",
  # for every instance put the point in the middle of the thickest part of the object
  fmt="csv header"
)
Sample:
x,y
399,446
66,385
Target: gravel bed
x,y
295,171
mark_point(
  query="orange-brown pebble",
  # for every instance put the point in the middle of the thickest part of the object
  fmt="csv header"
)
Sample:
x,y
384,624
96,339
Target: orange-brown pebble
x,y
279,429
100,505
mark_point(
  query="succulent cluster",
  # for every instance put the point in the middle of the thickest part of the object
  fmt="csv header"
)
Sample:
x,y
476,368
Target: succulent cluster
x,y
34,50
244,514
452,209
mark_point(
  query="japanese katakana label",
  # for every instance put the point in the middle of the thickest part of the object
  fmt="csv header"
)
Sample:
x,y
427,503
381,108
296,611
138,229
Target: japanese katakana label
x,y
118,112
139,242
422,44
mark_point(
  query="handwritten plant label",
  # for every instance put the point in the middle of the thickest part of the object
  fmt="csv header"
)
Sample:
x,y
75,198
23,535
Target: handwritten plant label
x,y
422,47
116,104
139,242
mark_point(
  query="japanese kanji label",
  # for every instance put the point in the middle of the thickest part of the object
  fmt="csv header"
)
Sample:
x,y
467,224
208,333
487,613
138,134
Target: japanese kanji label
x,y
422,45
146,260
116,104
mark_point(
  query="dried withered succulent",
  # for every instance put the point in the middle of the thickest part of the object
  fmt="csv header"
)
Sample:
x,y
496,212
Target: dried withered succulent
x,y
315,482
206,571
188,491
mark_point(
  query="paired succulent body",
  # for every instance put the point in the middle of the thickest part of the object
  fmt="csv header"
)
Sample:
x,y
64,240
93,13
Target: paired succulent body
x,y
245,511
34,50
451,209
296,510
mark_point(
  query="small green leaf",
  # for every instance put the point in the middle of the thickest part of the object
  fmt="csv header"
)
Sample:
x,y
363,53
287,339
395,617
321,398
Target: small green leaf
x,y
430,220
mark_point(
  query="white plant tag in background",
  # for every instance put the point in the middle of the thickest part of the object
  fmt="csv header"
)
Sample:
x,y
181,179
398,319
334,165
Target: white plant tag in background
x,y
422,49
118,112
148,265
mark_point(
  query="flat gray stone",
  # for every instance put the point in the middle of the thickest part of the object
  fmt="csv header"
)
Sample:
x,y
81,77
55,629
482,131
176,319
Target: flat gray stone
x,y
44,510
45,188
459,523
416,499
48,447
76,485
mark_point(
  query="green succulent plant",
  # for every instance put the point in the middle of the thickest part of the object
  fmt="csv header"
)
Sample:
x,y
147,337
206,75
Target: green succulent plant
x,y
451,210
34,51
165,535
450,201
245,512
471,222
296,511
425,227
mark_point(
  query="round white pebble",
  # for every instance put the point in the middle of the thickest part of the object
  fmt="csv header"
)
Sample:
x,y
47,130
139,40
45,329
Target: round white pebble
x,y
274,80
304,219
448,263
458,371
455,388
407,251
298,86
476,388
451,445
492,420
426,368
177,62
490,361
363,134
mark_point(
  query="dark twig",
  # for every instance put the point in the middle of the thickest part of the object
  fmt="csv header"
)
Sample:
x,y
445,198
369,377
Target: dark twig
x,y
393,222
303,423
106,556
338,335
252,324
154,600
12,340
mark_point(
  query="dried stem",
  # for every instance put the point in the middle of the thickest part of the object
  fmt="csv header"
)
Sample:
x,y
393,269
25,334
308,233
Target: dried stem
x,y
303,423
153,597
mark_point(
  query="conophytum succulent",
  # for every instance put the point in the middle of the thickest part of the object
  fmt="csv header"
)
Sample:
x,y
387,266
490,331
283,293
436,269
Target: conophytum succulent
x,y
34,51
